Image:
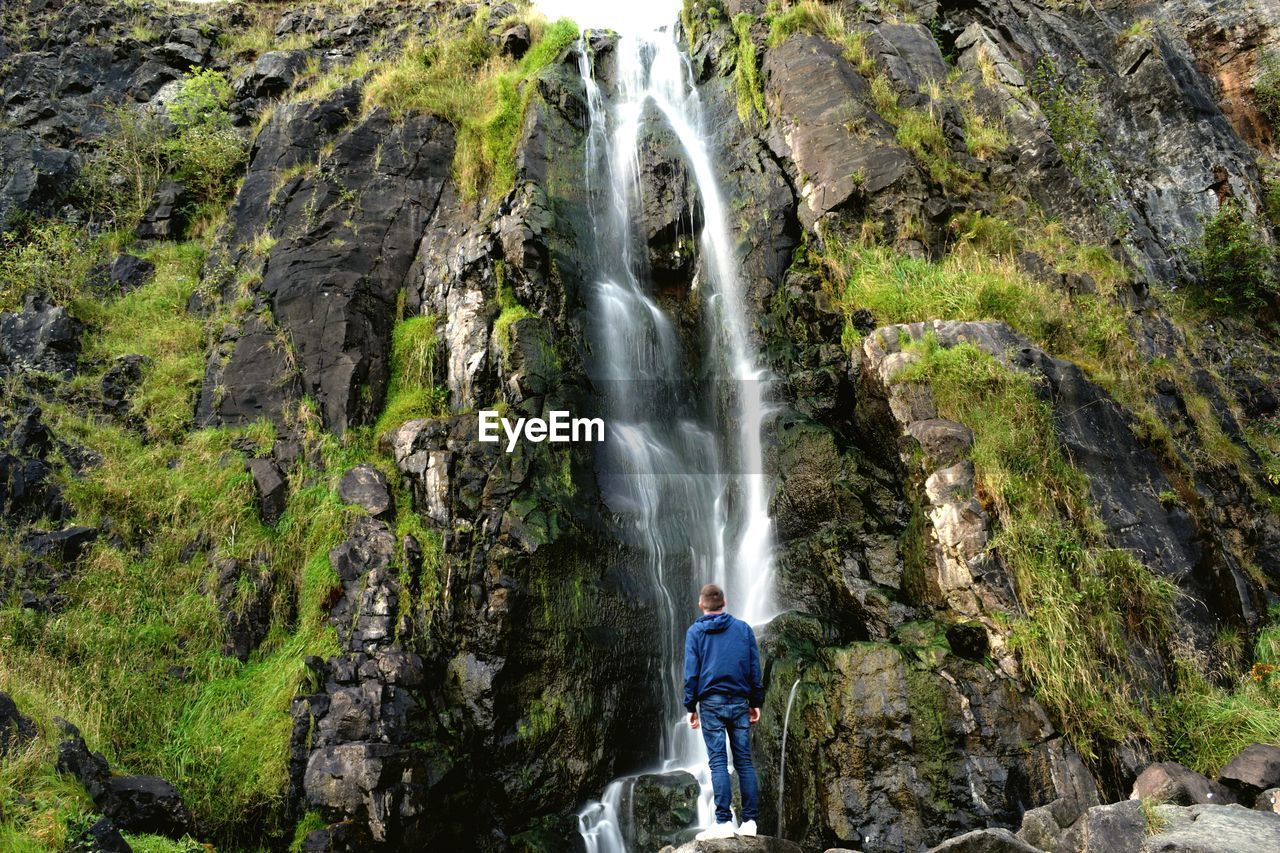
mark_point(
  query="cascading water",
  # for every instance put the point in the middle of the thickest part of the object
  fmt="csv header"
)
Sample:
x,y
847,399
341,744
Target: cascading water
x,y
682,467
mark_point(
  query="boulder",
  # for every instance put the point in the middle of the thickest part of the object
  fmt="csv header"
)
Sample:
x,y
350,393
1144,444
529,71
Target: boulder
x,y
101,837
985,841
120,275
1268,801
1115,828
1212,829
367,487
1167,782
16,730
1255,769
166,218
65,545
657,808
757,844
90,769
146,804
41,337
271,487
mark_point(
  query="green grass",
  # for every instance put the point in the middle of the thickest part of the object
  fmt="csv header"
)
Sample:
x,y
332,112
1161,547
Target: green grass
x,y
510,311
1204,725
823,20
746,73
1083,600
411,392
463,79
153,321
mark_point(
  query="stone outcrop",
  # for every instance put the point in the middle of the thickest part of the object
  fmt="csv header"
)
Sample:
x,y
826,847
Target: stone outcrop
x,y
353,753
143,804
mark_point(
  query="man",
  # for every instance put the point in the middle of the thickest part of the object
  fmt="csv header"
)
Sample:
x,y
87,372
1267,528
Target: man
x,y
723,694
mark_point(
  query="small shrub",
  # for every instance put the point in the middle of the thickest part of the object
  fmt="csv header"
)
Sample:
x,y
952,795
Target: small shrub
x,y
206,151
1234,265
128,162
1266,88
42,257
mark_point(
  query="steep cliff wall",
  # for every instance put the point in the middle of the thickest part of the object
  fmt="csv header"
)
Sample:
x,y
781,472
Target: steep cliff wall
x,y
1009,263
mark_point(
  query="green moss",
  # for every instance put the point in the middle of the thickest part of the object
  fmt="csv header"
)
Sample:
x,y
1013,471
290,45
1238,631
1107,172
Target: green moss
x,y
510,311
928,734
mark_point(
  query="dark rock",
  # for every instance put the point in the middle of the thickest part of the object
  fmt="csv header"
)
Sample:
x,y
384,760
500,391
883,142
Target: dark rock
x,y
90,769
1268,801
366,486
1255,769
66,545
1167,782
244,595
119,380
271,488
272,75
333,277
166,218
515,40
985,841
41,337
133,803
121,275
656,809
16,730
841,146
101,837
146,804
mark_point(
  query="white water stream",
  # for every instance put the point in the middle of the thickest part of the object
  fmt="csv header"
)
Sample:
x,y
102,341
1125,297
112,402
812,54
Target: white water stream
x,y
683,467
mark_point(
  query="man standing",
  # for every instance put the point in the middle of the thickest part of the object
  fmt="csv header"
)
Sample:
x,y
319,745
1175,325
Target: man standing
x,y
723,694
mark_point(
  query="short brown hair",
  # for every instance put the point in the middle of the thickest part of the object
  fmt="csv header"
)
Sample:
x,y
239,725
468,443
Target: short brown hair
x,y
711,597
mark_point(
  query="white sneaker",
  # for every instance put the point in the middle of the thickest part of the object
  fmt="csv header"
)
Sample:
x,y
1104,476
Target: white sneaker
x,y
747,828
719,830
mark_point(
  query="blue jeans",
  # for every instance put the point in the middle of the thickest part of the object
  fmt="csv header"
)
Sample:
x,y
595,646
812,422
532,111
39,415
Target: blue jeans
x,y
720,716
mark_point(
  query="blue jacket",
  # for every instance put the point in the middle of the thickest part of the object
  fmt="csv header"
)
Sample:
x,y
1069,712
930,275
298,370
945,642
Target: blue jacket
x,y
720,656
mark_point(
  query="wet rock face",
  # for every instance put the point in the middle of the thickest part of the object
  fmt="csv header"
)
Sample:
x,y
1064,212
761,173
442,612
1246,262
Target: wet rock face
x,y
917,745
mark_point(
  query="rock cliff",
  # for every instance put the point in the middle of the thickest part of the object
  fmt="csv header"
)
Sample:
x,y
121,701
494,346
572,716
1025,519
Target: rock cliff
x,y
1009,264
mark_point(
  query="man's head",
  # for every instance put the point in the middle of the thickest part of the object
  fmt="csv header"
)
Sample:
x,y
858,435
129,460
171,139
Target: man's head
x,y
711,599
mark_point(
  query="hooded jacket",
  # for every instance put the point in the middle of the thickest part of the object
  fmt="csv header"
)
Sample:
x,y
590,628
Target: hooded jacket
x,y
720,656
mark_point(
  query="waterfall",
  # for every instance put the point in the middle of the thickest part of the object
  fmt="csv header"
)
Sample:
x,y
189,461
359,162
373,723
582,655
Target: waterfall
x,y
682,467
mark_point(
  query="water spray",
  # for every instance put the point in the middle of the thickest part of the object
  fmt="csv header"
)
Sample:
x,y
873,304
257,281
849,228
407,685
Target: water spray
x,y
782,758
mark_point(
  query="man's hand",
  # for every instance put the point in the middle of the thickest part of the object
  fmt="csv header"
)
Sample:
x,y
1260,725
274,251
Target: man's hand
x,y
693,720
753,716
